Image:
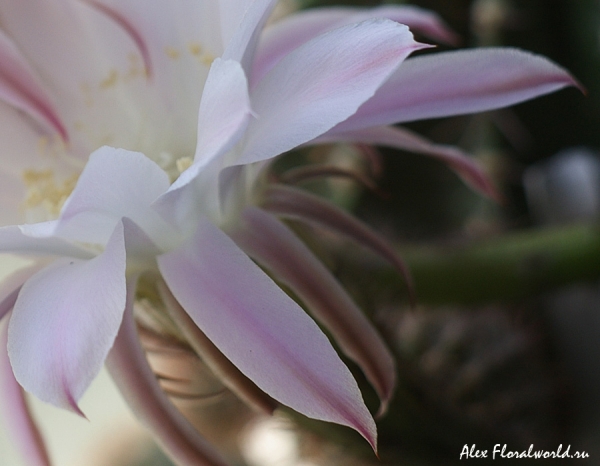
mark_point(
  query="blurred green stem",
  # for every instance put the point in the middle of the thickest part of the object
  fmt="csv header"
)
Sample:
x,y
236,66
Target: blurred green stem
x,y
509,267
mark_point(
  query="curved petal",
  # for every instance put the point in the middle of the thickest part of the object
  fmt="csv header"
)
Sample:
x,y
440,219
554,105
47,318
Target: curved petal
x,y
124,22
220,366
224,109
17,415
294,30
322,83
137,383
401,138
242,44
181,39
64,322
263,331
25,150
95,72
459,82
223,117
115,183
294,203
20,87
269,242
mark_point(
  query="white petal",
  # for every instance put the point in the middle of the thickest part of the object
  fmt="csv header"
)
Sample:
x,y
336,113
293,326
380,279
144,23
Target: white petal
x,y
65,321
243,42
223,117
292,31
181,40
89,67
322,83
115,183
14,239
21,87
261,330
459,82
274,246
129,368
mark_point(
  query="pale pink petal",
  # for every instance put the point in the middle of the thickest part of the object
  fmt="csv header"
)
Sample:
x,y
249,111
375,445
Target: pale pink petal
x,y
284,36
300,205
322,83
262,331
181,39
219,365
94,72
129,27
269,242
137,383
459,82
65,321
21,87
223,117
224,109
242,44
16,414
141,250
24,146
115,183
11,285
401,138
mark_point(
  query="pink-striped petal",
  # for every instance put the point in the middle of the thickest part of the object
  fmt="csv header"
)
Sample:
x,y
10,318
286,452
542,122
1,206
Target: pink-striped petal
x,y
401,138
286,35
137,383
94,73
17,415
219,365
322,83
270,243
181,39
300,205
459,82
129,27
262,331
64,322
20,87
25,150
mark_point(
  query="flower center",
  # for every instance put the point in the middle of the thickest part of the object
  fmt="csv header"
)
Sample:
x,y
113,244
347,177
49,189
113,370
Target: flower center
x,y
45,194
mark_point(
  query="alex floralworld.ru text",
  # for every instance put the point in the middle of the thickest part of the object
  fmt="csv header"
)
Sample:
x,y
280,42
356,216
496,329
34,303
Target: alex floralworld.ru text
x,y
502,451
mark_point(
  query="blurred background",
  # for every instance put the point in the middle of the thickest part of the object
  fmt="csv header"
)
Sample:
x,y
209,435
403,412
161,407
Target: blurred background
x,y
503,346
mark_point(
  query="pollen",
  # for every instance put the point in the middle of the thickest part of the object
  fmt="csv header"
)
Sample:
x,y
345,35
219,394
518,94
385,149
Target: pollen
x,y
207,59
195,49
110,80
184,163
172,53
43,190
135,67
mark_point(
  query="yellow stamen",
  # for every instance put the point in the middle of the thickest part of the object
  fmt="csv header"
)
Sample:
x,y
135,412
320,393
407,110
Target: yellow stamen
x,y
44,191
184,163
